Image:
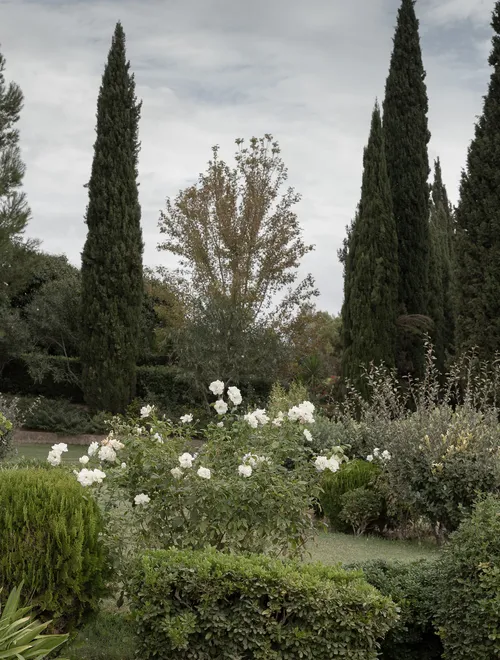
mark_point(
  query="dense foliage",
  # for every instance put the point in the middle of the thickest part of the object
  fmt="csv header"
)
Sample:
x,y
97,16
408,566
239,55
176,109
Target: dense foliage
x,y
468,591
406,136
112,276
412,586
209,605
50,533
478,222
371,271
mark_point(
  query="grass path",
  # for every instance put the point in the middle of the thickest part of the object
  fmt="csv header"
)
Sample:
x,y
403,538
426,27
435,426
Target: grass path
x,y
332,548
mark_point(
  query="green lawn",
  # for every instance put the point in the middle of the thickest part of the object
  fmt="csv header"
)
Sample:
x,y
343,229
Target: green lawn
x,y
40,451
331,548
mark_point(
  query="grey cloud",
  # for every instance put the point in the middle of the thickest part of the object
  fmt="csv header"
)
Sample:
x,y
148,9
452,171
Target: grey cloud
x,y
209,71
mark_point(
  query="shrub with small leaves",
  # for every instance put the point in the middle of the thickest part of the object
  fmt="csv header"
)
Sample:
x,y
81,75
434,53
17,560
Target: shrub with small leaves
x,y
412,586
208,605
361,508
50,531
468,590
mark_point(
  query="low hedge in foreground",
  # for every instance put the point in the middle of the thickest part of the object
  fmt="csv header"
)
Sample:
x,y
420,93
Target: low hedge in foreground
x,y
208,605
412,586
50,540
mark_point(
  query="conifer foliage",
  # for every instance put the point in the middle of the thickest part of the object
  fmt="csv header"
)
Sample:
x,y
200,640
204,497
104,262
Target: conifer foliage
x,y
406,138
371,268
478,223
112,276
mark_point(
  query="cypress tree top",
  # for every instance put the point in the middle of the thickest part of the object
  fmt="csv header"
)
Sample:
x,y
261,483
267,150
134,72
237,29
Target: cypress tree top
x,y
478,223
406,137
112,279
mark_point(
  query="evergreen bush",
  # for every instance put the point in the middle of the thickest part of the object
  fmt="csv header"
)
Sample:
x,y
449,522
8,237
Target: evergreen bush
x,y
209,605
468,591
352,475
50,531
412,586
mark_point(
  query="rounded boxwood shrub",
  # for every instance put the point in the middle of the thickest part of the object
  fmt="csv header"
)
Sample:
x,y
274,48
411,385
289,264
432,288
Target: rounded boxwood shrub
x,y
412,586
50,540
352,475
210,605
468,591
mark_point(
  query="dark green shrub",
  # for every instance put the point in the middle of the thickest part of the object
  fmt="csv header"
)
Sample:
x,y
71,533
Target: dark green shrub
x,y
209,605
60,416
352,475
50,530
361,508
468,592
16,379
412,586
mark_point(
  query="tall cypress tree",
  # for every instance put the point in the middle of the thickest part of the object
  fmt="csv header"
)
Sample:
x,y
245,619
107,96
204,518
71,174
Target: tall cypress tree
x,y
406,137
112,277
478,223
371,270
441,307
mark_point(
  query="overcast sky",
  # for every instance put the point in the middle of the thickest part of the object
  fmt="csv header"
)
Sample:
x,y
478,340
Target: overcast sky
x,y
209,71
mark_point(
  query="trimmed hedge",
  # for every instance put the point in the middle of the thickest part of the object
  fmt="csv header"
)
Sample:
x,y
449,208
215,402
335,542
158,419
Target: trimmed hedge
x,y
468,590
158,381
50,539
412,586
208,605
352,475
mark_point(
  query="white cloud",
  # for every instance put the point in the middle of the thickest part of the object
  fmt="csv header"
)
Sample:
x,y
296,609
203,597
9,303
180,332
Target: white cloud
x,y
210,71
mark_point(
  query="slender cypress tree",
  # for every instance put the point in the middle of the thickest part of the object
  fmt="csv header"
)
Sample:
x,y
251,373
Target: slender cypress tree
x,y
406,137
478,223
112,277
371,268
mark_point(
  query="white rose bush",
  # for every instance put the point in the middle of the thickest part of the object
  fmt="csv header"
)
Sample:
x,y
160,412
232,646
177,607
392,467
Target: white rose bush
x,y
248,484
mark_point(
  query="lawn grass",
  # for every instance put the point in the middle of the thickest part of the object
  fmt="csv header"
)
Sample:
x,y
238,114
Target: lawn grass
x,y
40,451
332,548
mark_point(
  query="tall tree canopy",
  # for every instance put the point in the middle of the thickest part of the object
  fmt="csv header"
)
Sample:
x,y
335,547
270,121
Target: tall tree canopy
x,y
240,244
478,223
112,277
406,137
441,303
371,268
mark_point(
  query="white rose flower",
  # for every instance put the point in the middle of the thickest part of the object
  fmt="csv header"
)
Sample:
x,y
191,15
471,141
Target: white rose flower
x,y
176,473
85,477
261,416
123,466
54,458
146,411
321,463
220,407
250,459
60,448
158,438
204,473
142,498
302,413
251,420
308,435
98,476
386,455
216,387
84,460
220,425
376,452
235,395
245,470
187,419
186,460
332,464
107,453
116,444
369,458
93,448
